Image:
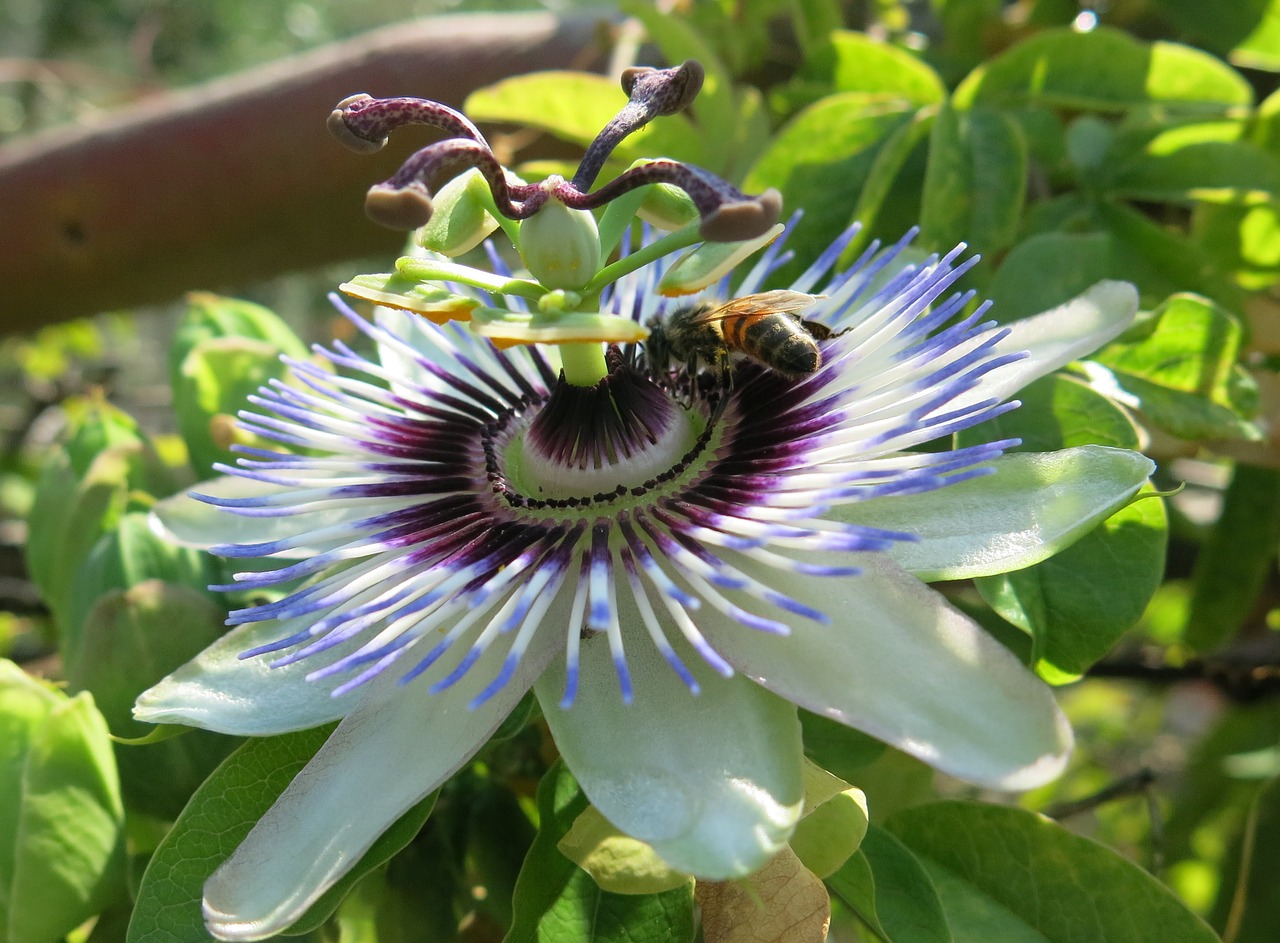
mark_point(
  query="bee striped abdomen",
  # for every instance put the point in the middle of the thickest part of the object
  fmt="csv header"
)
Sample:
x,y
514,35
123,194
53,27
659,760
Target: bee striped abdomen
x,y
779,341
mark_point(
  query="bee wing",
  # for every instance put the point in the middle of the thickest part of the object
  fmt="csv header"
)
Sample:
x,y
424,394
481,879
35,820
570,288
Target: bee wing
x,y
781,301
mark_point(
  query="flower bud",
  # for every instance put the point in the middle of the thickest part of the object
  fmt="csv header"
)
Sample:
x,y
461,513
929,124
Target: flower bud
x,y
560,246
667,207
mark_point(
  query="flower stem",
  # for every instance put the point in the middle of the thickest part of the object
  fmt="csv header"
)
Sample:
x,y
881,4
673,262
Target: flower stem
x,y
583,363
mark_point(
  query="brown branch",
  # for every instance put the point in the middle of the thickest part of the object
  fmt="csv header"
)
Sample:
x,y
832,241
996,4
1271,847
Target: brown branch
x,y
238,179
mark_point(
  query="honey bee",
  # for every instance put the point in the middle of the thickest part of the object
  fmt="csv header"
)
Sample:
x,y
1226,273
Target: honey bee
x,y
763,327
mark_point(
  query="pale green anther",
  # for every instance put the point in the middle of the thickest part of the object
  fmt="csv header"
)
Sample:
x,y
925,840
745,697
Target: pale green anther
x,y
520,327
667,207
395,291
461,219
710,262
560,246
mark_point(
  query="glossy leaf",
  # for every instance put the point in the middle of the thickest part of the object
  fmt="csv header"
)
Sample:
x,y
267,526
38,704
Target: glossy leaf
x,y
1105,70
1078,603
575,106
132,638
70,513
854,62
1044,270
820,161
209,316
975,182
1180,368
1231,172
558,902
1006,874
1237,559
214,382
66,860
1058,412
889,890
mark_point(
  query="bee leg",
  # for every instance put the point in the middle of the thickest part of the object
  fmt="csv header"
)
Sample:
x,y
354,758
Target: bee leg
x,y
819,331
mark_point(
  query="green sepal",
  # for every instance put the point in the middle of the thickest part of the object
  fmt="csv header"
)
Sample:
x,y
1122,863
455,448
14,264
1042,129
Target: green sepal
x,y
617,862
834,823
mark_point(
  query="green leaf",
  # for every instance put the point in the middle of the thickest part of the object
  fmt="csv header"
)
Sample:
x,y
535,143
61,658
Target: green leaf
x,y
1250,875
1242,240
1057,412
575,107
837,748
498,838
1159,261
1180,367
214,382
133,637
975,182
820,161
1078,603
1010,875
1105,70
887,887
716,105
68,845
853,62
68,516
558,902
1246,33
25,704
210,316
1231,172
1045,270
887,168
217,819
125,557
1237,559
1213,789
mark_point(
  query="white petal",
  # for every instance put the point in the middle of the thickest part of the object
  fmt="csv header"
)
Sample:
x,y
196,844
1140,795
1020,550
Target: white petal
x,y
1056,337
901,664
399,744
218,691
712,781
1034,505
191,523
